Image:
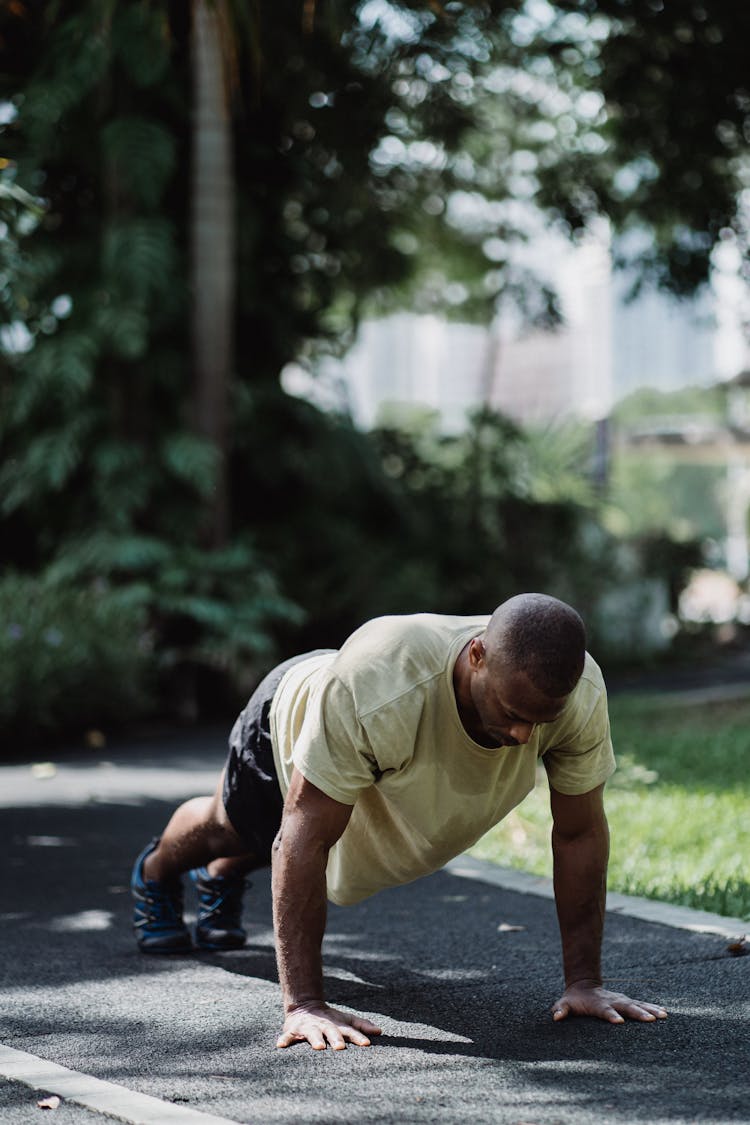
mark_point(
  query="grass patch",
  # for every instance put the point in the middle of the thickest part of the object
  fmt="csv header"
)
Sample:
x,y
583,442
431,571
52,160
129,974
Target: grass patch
x,y
678,807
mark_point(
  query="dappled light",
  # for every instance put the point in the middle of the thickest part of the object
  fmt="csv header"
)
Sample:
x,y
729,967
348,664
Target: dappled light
x,y
175,518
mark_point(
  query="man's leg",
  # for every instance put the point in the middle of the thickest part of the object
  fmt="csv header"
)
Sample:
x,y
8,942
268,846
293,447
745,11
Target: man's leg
x,y
199,838
200,835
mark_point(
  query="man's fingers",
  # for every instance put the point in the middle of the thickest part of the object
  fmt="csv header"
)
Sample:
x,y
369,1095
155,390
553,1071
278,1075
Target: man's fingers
x,y
636,1012
314,1038
347,1031
322,1033
334,1037
366,1026
309,1032
614,1007
647,1013
655,1010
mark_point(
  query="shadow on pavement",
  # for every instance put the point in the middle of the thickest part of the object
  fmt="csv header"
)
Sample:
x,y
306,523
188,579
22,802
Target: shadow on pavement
x,y
465,1006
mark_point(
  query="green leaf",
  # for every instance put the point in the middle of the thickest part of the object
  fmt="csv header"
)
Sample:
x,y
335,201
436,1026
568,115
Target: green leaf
x,y
140,257
104,554
59,370
192,459
142,156
124,330
141,41
73,65
46,465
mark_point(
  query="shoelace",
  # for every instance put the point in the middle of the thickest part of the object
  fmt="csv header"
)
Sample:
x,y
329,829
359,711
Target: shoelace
x,y
165,908
222,904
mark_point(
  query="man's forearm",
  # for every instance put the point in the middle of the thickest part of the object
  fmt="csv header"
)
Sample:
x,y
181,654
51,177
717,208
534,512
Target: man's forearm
x,y
299,914
580,878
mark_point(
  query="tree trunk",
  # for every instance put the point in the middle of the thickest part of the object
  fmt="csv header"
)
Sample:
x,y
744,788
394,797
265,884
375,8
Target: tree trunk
x,y
212,254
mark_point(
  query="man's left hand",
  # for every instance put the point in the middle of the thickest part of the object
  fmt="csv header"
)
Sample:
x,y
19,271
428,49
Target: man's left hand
x,y
586,998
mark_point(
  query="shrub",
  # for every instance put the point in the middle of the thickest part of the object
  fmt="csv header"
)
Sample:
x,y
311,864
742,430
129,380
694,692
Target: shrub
x,y
212,615
71,657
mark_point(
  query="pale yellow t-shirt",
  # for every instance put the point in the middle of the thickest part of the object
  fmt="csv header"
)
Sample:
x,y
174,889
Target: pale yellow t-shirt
x,y
376,726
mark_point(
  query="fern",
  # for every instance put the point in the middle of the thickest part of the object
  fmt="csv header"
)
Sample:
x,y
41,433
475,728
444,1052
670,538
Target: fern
x,y
74,64
123,330
70,658
57,374
45,466
141,155
222,604
191,459
139,255
113,458
141,42
106,555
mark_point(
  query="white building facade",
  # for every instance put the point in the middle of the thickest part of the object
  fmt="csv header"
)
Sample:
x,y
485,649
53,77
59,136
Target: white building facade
x,y
606,347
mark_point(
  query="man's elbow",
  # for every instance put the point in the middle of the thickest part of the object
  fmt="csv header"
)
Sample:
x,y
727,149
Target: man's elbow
x,y
595,831
293,844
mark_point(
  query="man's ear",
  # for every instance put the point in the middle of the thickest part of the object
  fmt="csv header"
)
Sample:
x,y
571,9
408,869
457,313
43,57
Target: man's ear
x,y
477,654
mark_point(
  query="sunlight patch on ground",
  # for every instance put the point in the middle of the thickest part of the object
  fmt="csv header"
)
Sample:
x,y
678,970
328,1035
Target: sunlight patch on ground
x,y
85,920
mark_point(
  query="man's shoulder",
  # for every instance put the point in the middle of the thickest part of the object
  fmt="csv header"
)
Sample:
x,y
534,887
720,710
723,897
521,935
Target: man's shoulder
x,y
592,677
389,656
588,699
438,623
421,636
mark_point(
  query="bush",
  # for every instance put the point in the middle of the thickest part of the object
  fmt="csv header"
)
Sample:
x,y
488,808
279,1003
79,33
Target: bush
x,y
71,657
212,616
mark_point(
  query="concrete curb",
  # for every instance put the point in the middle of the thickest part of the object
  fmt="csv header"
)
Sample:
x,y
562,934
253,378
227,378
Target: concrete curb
x,y
645,909
108,1098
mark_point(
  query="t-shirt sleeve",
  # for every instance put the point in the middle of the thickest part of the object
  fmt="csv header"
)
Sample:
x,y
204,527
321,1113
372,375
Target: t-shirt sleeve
x,y
583,756
332,750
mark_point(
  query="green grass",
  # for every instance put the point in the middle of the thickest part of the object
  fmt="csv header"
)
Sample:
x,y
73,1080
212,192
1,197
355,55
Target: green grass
x,y
678,807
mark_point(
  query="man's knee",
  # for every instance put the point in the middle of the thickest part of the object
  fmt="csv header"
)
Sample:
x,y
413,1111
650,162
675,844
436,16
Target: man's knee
x,y
225,840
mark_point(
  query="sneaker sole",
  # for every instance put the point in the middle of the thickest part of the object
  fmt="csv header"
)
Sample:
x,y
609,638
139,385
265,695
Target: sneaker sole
x,y
218,947
164,950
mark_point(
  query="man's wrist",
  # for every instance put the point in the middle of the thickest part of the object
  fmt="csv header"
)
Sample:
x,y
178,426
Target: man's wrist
x,y
303,1004
583,982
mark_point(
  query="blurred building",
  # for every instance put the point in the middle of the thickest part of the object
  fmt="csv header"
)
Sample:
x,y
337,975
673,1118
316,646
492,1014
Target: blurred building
x,y
542,375
417,360
606,347
660,342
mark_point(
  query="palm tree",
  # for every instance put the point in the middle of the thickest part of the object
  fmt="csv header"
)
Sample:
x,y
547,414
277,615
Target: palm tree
x,y
212,238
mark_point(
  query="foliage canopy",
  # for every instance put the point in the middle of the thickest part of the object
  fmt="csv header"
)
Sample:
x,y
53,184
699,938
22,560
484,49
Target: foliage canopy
x,y
383,153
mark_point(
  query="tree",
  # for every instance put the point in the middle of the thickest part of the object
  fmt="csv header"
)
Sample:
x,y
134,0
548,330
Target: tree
x,y
666,146
212,238
354,144
380,153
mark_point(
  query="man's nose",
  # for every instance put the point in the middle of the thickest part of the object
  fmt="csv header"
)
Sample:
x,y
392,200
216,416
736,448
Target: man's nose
x,y
521,732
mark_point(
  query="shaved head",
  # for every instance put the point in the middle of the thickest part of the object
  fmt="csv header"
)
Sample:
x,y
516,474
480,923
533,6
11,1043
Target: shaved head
x,y
540,636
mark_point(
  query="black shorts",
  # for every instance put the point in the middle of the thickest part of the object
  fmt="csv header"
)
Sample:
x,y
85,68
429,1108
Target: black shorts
x,y
252,794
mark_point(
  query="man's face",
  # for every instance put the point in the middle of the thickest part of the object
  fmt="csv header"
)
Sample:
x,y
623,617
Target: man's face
x,y
506,701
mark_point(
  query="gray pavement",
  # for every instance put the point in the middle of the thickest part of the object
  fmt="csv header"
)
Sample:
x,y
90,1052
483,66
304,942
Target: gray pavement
x,y
464,1005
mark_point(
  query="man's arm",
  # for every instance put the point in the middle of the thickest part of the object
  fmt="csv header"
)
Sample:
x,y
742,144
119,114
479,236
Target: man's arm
x,y
311,825
580,849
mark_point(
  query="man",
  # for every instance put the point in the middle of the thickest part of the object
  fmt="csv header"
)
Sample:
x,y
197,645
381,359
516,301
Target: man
x,y
393,755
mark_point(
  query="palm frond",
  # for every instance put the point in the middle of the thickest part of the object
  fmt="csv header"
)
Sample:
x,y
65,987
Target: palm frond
x,y
141,41
142,156
140,256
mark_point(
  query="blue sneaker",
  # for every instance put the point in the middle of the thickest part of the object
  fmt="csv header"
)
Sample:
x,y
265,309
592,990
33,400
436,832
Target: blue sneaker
x,y
219,923
157,918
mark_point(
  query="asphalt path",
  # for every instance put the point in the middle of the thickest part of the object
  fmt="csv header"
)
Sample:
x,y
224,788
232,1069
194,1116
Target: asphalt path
x,y
459,972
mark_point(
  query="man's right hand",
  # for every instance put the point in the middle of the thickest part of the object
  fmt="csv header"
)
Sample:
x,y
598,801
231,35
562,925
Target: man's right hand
x,y
322,1026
